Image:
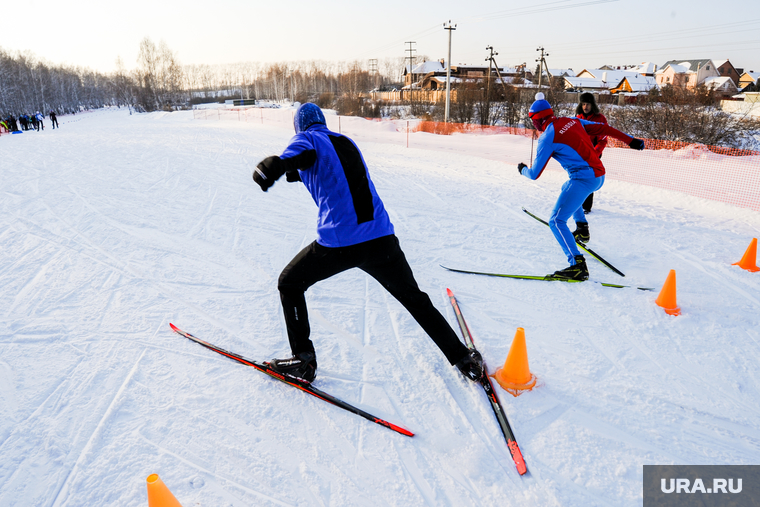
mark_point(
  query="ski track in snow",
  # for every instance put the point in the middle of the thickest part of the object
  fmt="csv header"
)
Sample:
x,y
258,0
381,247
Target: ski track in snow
x,y
115,225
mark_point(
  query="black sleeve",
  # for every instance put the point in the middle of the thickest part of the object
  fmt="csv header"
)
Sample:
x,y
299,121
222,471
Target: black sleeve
x,y
303,160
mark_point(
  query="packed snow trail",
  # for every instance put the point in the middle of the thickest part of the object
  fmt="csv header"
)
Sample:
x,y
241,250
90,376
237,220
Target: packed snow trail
x,y
115,225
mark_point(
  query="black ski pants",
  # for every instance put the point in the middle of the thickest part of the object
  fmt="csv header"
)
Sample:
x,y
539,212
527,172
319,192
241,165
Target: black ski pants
x,y
381,258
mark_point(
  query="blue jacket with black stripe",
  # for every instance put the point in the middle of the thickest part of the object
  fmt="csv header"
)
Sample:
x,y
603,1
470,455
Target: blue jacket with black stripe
x,y
333,170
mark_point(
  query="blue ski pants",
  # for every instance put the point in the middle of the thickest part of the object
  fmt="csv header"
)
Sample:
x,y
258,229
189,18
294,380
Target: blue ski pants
x,y
569,204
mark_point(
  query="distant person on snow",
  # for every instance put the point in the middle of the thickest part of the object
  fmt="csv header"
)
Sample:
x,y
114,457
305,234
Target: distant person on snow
x,y
53,119
354,231
568,141
588,110
40,117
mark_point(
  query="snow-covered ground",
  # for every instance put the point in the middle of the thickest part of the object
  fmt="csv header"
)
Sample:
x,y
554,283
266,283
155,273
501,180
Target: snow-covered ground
x,y
116,225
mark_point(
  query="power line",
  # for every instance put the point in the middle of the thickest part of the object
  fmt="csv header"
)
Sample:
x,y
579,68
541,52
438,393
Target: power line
x,y
549,6
522,11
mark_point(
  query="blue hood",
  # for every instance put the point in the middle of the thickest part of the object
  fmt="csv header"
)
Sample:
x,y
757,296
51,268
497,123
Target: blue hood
x,y
307,115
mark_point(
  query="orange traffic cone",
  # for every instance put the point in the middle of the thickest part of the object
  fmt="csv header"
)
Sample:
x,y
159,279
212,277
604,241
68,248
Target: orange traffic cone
x,y
667,297
515,376
158,494
749,262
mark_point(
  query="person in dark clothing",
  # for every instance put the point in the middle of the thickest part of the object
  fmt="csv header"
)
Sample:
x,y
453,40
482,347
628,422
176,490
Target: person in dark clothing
x,y
354,231
53,119
588,110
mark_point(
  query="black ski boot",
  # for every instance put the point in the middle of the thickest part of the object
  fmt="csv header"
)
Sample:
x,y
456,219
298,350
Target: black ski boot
x,y
303,366
581,232
471,365
578,271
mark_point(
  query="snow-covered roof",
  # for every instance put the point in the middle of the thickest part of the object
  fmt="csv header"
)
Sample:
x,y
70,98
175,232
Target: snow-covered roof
x,y
586,83
510,80
562,72
719,82
646,68
690,65
640,83
429,66
678,69
452,80
612,77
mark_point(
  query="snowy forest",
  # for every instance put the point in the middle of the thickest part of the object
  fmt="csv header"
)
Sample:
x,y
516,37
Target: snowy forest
x,y
160,82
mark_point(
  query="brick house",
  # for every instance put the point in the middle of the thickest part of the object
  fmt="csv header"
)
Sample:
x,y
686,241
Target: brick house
x,y
725,68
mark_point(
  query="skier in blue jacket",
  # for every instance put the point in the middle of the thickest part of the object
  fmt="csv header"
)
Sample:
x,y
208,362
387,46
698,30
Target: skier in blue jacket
x,y
567,141
354,231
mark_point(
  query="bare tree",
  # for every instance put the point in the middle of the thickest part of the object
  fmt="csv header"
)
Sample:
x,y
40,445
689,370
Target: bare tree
x,y
688,115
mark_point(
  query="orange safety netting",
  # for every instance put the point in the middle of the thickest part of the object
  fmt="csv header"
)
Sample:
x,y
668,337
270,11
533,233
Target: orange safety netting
x,y
711,172
441,128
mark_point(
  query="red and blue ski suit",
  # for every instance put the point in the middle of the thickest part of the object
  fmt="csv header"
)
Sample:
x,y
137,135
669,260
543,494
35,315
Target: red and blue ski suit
x,y
567,141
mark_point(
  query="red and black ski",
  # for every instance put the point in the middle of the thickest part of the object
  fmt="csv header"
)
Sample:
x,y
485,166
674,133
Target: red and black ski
x,y
501,416
295,382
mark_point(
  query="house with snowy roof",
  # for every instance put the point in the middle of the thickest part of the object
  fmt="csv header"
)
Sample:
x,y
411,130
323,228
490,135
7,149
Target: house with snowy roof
x,y
635,84
432,75
726,68
645,68
748,78
598,80
415,73
686,73
722,86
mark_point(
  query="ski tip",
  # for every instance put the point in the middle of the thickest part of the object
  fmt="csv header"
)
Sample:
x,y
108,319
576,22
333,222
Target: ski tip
x,y
397,429
448,291
401,430
174,328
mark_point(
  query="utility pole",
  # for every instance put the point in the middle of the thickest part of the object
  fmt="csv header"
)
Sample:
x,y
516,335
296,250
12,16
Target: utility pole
x,y
542,65
448,73
410,66
373,70
487,117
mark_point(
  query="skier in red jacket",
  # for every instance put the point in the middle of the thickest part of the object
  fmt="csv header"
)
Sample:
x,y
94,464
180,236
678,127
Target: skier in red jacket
x,y
588,110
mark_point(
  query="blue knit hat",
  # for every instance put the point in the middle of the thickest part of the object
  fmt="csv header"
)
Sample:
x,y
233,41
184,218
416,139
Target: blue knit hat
x,y
540,108
307,115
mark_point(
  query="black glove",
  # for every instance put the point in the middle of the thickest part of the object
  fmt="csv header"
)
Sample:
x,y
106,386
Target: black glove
x,y
267,172
637,144
520,167
292,176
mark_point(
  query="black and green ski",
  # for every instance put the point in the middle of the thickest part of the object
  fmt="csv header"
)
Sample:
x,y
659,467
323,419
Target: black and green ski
x,y
582,246
545,278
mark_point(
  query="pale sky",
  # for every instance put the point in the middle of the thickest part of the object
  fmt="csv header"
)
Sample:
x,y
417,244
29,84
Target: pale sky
x,y
577,34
